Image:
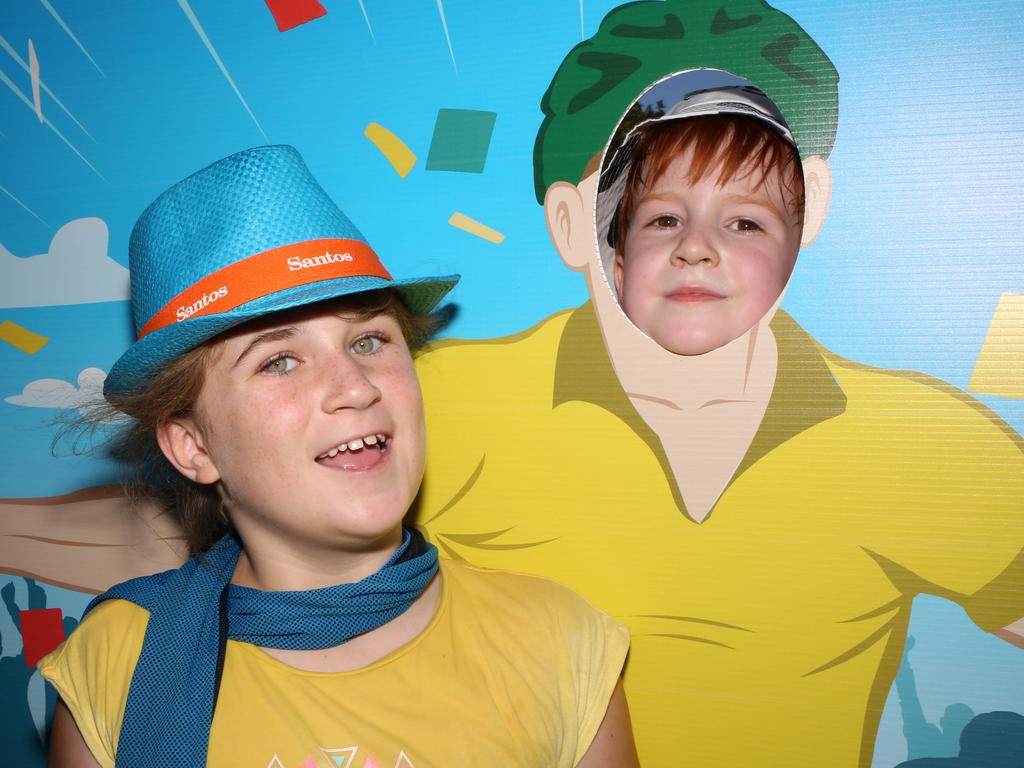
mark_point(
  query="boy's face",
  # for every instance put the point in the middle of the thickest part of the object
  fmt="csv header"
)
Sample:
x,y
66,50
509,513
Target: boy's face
x,y
703,263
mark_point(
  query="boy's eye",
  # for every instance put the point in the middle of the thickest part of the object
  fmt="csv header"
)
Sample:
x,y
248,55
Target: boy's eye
x,y
367,345
665,221
745,225
280,364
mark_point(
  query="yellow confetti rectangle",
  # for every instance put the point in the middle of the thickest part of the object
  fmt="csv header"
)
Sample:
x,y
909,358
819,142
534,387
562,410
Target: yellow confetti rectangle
x,y
22,338
393,148
999,370
474,227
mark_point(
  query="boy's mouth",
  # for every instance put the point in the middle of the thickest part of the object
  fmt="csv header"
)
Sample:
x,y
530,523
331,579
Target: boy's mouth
x,y
357,454
694,293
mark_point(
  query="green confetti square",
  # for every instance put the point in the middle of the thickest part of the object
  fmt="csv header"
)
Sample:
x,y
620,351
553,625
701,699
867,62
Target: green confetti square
x,y
461,139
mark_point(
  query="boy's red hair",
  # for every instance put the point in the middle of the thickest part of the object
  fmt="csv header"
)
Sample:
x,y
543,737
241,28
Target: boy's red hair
x,y
732,144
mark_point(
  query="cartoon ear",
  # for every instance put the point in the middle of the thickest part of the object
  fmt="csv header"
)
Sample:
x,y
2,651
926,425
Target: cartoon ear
x,y
570,224
183,444
817,194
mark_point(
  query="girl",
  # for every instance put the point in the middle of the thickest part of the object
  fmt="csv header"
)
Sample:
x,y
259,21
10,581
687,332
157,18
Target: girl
x,y
276,405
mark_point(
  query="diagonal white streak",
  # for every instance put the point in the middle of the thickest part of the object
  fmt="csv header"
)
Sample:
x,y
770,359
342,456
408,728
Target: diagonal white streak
x,y
33,73
28,103
367,19
224,71
24,65
34,214
583,34
70,34
444,23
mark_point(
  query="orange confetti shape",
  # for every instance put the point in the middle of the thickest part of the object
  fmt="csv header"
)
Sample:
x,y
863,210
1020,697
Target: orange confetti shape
x,y
22,338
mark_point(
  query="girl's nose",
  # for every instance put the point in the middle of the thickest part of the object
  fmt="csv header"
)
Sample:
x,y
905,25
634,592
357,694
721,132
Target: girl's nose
x,y
350,386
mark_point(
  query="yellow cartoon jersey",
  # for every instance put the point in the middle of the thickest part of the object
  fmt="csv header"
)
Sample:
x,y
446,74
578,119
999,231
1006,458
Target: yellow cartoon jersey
x,y
770,633
512,670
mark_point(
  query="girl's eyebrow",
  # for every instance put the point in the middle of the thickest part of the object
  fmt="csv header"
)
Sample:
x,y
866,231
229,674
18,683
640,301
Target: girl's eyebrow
x,y
278,334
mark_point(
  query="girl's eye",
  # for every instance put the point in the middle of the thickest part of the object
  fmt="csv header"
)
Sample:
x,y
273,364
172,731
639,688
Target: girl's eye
x,y
280,365
665,221
367,345
745,225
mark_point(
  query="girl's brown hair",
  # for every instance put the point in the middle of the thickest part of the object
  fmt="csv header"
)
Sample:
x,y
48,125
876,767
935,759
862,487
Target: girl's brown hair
x,y
173,393
732,144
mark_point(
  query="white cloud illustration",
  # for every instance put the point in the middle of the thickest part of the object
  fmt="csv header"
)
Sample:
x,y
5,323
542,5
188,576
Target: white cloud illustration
x,y
75,270
57,393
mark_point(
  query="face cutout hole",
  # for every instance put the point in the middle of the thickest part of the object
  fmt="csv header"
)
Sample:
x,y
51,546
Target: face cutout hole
x,y
699,210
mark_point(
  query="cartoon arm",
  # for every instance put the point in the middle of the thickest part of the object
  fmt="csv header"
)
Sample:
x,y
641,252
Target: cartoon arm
x,y
87,540
1013,633
1007,589
954,525
993,603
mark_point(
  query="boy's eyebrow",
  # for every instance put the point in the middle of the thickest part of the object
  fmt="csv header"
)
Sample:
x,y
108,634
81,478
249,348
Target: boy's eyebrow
x,y
735,197
667,195
762,201
278,334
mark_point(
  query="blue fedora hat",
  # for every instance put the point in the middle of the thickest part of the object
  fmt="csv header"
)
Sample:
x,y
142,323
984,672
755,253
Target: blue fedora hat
x,y
251,234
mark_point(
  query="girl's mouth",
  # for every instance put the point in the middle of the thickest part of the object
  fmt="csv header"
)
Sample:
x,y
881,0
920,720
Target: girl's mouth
x,y
359,454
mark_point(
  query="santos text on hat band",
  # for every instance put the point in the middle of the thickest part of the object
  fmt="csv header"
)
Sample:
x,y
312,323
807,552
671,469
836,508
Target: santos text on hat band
x,y
274,270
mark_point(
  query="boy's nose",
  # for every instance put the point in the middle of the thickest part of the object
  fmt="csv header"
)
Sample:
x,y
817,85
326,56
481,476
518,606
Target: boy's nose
x,y
694,247
349,386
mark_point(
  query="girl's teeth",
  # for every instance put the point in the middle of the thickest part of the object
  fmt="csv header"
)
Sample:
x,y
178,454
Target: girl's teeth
x,y
379,440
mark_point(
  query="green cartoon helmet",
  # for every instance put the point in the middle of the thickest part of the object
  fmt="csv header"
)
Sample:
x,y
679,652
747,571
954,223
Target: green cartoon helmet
x,y
639,43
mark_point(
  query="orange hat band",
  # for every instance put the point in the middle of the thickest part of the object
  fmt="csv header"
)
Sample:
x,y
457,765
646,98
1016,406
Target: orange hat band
x,y
265,273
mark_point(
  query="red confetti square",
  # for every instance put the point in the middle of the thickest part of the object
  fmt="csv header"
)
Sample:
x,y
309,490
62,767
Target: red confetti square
x,y
291,13
42,630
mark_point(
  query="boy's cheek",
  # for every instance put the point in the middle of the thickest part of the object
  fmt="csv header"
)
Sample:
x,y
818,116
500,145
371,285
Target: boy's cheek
x,y
764,280
637,277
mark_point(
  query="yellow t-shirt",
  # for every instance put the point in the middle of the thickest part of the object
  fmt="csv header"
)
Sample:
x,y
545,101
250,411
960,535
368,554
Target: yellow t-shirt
x,y
512,670
770,633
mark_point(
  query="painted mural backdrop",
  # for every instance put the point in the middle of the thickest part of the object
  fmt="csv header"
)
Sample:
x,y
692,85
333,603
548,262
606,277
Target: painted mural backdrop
x,y
421,119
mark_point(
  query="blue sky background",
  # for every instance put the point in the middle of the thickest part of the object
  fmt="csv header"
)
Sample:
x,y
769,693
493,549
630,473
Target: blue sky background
x,y
922,237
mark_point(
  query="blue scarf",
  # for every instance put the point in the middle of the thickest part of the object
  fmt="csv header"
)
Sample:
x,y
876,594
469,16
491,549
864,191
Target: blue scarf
x,y
194,609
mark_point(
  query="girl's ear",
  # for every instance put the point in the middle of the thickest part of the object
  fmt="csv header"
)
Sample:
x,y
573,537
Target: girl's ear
x,y
817,193
182,442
